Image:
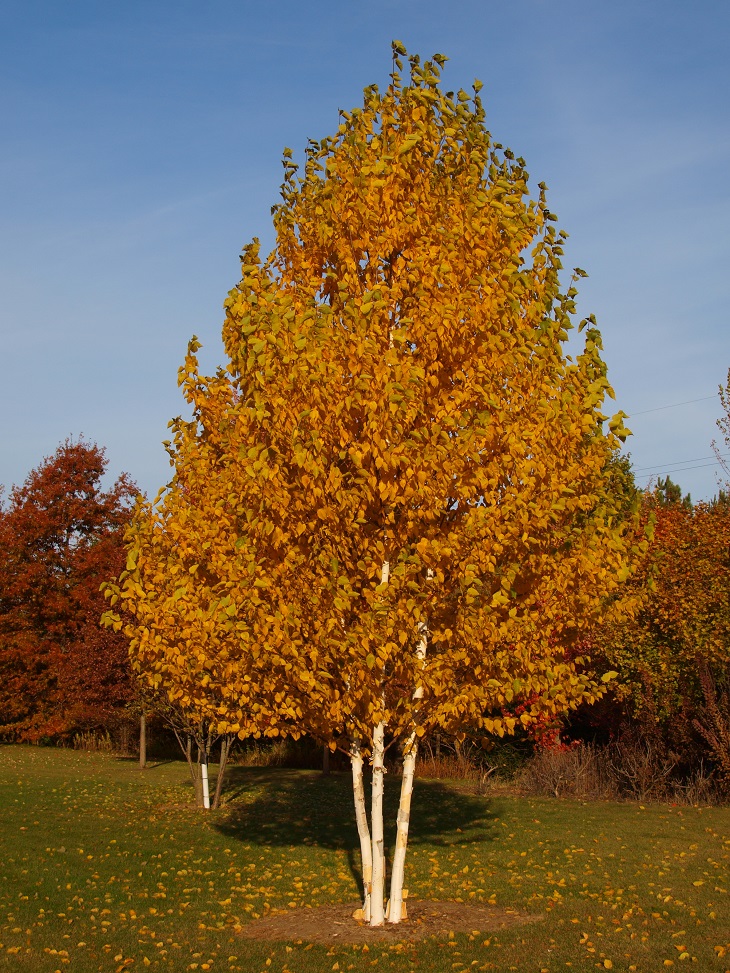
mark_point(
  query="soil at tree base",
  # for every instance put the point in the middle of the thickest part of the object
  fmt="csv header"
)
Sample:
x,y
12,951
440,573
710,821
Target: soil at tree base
x,y
335,923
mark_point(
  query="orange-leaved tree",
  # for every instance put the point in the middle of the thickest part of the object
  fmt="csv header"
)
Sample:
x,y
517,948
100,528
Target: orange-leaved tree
x,y
682,593
672,650
61,535
186,639
406,472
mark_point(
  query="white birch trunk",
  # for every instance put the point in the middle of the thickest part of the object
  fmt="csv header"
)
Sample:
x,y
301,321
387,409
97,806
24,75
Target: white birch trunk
x,y
395,909
366,851
377,893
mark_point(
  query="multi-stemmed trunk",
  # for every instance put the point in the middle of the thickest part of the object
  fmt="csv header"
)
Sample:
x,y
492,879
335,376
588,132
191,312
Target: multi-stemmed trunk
x,y
372,848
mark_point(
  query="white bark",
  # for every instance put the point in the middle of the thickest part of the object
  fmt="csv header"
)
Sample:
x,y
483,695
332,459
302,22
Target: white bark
x,y
204,775
366,851
377,894
395,910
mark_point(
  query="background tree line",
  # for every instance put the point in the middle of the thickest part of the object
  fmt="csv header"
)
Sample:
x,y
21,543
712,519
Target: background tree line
x,y
62,673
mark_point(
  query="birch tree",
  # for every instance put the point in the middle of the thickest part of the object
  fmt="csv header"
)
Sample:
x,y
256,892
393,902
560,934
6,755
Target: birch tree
x,y
406,471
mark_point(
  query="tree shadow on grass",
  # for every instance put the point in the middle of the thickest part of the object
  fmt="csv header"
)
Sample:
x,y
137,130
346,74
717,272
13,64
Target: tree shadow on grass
x,y
124,758
281,807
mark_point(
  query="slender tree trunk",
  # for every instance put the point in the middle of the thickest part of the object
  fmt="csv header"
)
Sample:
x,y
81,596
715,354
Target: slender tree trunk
x,y
377,890
226,745
377,894
142,740
187,749
395,909
366,850
325,760
194,767
203,758
395,906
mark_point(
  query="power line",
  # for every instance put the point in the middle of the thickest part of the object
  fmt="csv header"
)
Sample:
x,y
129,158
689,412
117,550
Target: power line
x,y
679,462
679,469
675,405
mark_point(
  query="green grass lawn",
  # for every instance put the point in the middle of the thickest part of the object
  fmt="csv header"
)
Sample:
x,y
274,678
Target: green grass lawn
x,y
104,867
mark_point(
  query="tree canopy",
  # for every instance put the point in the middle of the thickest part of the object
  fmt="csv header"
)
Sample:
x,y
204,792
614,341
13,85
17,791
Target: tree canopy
x,y
61,535
393,507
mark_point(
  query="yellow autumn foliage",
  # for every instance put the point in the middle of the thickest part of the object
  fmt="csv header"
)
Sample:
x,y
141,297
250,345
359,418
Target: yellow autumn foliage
x,y
397,391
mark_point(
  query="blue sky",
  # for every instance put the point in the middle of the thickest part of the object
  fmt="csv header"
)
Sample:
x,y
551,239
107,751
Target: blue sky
x,y
141,147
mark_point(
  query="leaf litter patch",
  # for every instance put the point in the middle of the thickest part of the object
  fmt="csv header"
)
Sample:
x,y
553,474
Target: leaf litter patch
x,y
336,923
